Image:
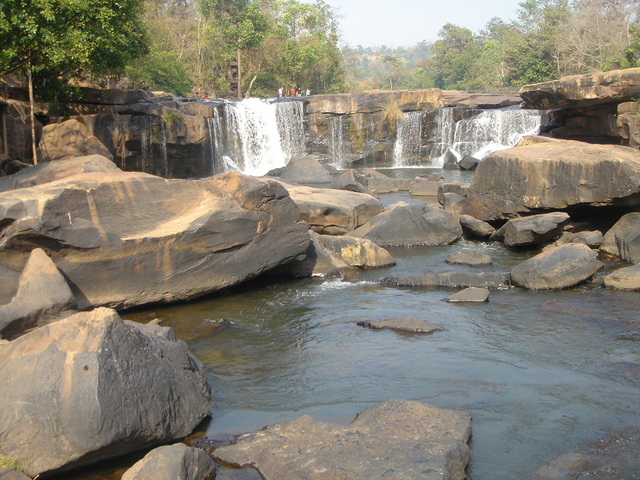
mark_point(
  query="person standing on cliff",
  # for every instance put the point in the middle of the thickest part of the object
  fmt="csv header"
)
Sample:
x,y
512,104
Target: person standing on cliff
x,y
280,92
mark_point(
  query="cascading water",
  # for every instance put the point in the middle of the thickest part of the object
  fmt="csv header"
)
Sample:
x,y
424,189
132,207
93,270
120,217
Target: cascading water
x,y
478,136
336,141
258,135
407,150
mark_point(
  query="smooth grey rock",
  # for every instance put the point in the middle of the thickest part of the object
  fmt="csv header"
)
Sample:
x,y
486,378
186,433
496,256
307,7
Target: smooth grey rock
x,y
626,278
452,202
173,462
470,295
560,267
409,440
533,230
411,225
42,294
405,324
305,170
101,388
351,181
472,227
468,163
592,238
123,239
461,188
623,239
473,258
455,278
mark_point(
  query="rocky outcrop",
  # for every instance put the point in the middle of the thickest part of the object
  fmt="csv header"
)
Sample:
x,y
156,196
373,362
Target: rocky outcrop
x,y
560,267
333,212
70,139
623,239
42,294
411,225
124,239
546,174
399,436
101,388
305,170
173,462
598,88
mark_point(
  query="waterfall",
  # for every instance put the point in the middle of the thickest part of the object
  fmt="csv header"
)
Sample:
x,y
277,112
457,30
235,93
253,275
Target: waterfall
x,y
407,150
336,141
478,136
259,135
493,130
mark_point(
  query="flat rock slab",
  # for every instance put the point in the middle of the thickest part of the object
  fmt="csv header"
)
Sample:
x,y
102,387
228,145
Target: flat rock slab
x,y
627,278
470,295
398,439
469,258
453,278
405,324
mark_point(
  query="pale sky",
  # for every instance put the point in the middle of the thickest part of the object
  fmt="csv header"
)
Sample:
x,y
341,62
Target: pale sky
x,y
406,22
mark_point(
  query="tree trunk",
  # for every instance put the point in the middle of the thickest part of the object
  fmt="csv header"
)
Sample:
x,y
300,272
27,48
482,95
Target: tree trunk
x,y
251,85
32,116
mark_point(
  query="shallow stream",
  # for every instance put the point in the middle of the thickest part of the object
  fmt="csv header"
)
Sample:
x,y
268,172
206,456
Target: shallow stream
x,y
540,372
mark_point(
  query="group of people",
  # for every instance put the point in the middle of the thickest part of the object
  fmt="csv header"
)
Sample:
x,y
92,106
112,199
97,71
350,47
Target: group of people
x,y
295,92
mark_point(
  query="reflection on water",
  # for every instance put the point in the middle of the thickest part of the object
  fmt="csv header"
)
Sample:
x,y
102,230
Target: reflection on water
x,y
540,372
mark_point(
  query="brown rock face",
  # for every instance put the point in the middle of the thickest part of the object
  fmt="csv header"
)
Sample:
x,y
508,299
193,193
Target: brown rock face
x,y
550,174
598,88
124,239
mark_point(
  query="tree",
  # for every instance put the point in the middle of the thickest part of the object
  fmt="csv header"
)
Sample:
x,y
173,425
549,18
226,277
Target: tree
x,y
453,56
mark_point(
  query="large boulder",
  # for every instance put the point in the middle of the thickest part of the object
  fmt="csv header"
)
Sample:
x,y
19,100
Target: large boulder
x,y
411,225
626,278
333,212
533,230
329,255
70,139
173,462
408,440
559,267
623,239
99,388
124,239
42,294
597,88
546,174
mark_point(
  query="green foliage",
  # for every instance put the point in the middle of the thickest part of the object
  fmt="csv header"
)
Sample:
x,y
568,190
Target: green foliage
x,y
161,71
70,37
171,117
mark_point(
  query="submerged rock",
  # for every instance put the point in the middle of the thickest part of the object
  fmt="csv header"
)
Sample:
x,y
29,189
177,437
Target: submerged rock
x,y
42,294
405,324
470,295
469,258
560,267
123,239
397,439
100,388
411,225
454,278
173,462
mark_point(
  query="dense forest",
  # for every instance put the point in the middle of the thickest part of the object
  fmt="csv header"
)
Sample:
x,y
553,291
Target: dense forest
x,y
255,47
